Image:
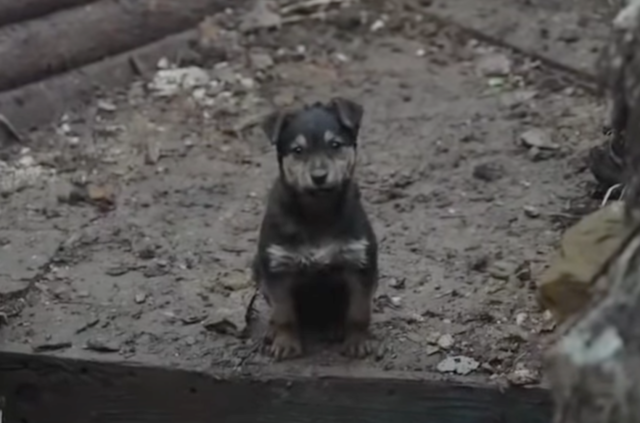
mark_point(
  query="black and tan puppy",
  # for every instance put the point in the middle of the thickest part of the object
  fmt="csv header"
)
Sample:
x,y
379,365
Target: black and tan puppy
x,y
317,252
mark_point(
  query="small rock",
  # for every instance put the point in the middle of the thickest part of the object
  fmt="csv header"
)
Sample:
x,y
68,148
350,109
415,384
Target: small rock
x,y
493,65
236,281
261,61
502,270
26,161
538,138
152,151
168,82
445,341
102,196
377,25
531,212
488,172
261,16
521,375
106,106
431,350
223,326
396,283
569,35
119,270
140,298
459,364
521,318
101,346
193,319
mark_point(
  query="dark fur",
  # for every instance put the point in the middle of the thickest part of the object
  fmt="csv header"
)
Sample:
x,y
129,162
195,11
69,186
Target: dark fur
x,y
317,258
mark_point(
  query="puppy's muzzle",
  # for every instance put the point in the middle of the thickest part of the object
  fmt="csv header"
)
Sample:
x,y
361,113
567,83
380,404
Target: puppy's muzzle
x,y
319,177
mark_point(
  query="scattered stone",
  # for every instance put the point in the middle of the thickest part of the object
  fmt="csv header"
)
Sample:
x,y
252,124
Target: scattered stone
x,y
522,375
458,364
567,285
119,270
502,270
102,346
531,212
493,65
261,16
155,269
488,172
101,196
377,25
396,283
51,346
140,298
192,319
151,151
538,138
431,350
521,318
168,82
236,281
16,178
261,61
445,341
223,326
106,106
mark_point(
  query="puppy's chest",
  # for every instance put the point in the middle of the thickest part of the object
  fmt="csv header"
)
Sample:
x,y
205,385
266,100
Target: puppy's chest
x,y
319,254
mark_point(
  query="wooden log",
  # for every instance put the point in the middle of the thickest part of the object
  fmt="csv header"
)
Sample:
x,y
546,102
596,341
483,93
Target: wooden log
x,y
594,369
12,11
41,103
72,38
40,389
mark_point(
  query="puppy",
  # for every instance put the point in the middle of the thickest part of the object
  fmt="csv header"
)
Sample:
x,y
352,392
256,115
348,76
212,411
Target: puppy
x,y
317,251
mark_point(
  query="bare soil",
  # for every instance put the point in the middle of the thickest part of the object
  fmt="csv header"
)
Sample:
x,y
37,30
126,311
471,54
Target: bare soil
x,y
466,213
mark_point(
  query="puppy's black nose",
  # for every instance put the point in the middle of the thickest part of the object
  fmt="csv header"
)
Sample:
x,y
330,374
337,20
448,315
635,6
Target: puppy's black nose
x,y
319,177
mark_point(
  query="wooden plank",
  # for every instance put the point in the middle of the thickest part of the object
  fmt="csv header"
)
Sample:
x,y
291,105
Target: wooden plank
x,y
40,48
12,11
45,389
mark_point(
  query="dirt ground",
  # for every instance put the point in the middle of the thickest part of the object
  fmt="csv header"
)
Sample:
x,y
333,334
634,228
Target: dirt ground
x,y
471,163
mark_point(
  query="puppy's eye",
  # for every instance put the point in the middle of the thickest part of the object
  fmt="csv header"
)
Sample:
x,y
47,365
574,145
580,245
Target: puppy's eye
x,y
335,145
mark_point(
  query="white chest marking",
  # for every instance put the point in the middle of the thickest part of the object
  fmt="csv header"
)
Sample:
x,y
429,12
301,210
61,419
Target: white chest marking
x,y
353,253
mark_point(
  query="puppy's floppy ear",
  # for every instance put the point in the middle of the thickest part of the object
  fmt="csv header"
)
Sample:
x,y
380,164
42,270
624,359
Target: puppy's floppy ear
x,y
349,112
273,125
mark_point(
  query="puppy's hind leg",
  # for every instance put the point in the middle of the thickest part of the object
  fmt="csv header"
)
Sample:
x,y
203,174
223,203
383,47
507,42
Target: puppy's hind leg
x,y
283,323
358,317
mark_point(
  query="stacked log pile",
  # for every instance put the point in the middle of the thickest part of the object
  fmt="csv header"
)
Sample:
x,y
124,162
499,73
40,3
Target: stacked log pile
x,y
55,52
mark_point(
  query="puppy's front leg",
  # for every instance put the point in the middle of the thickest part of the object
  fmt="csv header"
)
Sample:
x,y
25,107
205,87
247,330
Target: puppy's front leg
x,y
361,287
283,323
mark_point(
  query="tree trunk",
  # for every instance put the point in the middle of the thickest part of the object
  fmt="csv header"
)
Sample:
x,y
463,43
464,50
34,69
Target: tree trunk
x,y
594,369
72,38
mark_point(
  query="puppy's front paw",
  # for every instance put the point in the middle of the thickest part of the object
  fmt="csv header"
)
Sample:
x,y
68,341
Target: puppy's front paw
x,y
285,344
357,345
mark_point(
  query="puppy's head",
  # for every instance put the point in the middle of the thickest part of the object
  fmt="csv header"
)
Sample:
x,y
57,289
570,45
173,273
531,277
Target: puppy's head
x,y
316,145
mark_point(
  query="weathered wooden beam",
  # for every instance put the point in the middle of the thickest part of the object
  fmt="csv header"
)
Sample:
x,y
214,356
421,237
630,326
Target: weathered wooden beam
x,y
594,369
40,48
12,11
41,389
